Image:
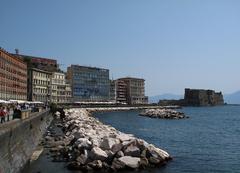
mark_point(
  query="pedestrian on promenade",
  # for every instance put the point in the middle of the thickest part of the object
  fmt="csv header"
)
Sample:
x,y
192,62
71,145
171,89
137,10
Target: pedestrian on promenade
x,y
2,115
7,112
17,112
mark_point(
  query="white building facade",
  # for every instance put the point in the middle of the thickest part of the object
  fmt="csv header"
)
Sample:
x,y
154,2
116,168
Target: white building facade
x,y
60,89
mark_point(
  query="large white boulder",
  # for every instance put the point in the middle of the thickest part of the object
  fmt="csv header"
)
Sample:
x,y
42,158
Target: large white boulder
x,y
132,162
132,151
98,154
83,143
158,153
125,137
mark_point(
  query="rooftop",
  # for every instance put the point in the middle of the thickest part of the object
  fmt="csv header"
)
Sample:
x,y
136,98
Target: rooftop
x,y
88,67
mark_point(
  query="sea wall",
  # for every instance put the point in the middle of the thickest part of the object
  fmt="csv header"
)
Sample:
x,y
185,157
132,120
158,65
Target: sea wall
x,y
18,140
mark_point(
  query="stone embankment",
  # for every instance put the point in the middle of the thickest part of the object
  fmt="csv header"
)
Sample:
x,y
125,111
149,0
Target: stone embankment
x,y
163,113
89,145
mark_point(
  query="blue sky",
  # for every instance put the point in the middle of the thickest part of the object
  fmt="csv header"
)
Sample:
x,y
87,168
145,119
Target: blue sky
x,y
172,44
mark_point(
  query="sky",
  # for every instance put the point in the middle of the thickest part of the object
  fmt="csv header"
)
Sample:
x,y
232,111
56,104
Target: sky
x,y
172,44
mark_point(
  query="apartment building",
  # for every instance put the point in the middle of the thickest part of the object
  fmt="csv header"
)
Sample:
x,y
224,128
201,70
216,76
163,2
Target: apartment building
x,y
13,77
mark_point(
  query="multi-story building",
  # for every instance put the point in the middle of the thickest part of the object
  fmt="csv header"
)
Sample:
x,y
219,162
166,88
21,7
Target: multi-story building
x,y
60,90
135,90
121,91
89,83
13,77
39,85
40,72
45,64
113,90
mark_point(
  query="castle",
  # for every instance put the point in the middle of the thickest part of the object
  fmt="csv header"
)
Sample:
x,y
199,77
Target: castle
x,y
200,97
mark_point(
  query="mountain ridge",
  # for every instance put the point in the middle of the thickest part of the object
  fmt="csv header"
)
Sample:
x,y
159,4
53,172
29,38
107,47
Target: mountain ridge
x,y
233,98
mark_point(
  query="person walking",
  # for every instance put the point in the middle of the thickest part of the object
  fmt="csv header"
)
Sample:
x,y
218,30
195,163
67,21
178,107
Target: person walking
x,y
2,115
7,113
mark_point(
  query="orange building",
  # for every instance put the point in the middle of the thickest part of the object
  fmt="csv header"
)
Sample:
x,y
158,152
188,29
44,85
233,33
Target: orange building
x,y
13,77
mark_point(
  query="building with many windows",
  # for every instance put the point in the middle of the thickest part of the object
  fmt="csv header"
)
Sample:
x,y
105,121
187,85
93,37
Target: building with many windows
x,y
89,83
135,90
39,85
13,77
60,89
121,91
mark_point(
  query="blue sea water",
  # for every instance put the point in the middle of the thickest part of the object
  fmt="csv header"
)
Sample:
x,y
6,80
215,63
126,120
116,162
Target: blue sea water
x,y
207,142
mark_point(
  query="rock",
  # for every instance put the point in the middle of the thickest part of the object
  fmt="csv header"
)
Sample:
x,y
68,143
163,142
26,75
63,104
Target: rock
x,y
154,160
57,113
56,149
105,166
98,154
119,154
145,153
82,159
78,135
95,141
56,143
59,125
110,155
132,151
96,164
107,143
128,143
125,137
116,147
83,143
163,113
49,138
144,162
158,153
117,165
142,144
131,162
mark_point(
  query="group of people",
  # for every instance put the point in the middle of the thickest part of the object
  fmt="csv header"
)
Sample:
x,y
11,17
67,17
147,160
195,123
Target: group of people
x,y
12,111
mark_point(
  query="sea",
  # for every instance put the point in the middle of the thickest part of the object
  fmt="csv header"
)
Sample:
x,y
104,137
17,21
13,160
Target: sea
x,y
207,142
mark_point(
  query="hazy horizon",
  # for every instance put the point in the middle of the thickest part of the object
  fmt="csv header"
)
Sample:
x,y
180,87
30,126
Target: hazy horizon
x,y
171,44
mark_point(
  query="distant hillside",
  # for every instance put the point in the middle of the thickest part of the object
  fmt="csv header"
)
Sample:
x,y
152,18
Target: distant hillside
x,y
168,96
233,98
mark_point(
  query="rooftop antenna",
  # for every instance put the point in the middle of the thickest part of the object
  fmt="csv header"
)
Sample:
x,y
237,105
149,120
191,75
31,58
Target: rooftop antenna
x,y
17,51
112,77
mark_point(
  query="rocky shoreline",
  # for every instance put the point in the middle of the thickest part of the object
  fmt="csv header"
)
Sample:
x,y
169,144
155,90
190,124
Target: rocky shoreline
x,y
163,114
89,145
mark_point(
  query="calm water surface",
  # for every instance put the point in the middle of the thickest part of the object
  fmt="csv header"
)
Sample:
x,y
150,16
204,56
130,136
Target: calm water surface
x,y
207,142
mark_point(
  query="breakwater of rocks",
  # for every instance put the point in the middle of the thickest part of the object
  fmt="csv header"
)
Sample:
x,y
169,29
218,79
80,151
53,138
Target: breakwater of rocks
x,y
163,113
112,109
88,144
